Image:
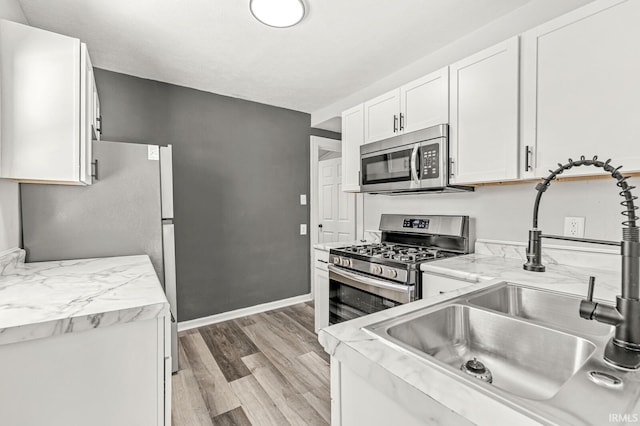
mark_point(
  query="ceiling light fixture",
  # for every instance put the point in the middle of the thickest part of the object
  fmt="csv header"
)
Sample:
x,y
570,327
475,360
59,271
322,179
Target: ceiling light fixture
x,y
277,13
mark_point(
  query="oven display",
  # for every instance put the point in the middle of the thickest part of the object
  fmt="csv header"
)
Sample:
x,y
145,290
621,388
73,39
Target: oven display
x,y
431,161
416,223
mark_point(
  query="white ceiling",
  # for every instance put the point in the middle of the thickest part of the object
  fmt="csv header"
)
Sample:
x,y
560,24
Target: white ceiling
x,y
216,45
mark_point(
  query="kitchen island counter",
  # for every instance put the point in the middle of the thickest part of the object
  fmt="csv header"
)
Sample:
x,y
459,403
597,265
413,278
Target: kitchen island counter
x,y
45,299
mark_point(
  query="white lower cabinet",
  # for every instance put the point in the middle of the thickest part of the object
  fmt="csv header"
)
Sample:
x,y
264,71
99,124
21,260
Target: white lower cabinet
x,y
321,289
435,285
356,400
113,375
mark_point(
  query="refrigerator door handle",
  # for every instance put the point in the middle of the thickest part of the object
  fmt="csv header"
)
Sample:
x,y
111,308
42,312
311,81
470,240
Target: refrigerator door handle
x,y
94,175
169,254
166,181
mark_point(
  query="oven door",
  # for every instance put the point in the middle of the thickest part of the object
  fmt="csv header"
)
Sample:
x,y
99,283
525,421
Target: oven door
x,y
395,168
352,295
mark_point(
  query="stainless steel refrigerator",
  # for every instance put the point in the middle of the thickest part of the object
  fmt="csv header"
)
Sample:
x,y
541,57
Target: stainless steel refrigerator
x,y
127,211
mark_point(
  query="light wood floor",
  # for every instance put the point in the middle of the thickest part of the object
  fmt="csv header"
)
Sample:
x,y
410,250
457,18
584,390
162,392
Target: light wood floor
x,y
264,369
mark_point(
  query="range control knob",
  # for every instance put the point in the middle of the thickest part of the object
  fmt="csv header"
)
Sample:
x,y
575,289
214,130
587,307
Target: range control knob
x,y
346,262
336,260
377,269
393,273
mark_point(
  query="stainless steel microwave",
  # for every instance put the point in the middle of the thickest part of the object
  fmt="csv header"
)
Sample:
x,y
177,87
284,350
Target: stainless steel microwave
x,y
416,161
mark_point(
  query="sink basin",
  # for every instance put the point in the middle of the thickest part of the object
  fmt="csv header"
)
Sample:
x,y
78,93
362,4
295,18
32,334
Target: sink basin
x,y
544,360
525,359
541,306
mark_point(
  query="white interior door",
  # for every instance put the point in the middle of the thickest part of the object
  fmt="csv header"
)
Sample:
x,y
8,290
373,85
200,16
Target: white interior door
x,y
336,208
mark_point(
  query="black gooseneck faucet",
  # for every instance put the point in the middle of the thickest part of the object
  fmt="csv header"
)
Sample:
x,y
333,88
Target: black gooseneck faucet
x,y
623,350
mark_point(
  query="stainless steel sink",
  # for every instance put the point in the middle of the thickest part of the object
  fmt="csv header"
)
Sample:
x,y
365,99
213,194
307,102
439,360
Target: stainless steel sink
x,y
544,360
522,366
540,306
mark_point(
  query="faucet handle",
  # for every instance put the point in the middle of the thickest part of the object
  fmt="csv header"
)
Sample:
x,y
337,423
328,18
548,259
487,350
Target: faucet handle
x,y
600,312
588,306
592,284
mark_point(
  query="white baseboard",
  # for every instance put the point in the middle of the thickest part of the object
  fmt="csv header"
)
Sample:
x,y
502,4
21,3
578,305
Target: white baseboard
x,y
238,313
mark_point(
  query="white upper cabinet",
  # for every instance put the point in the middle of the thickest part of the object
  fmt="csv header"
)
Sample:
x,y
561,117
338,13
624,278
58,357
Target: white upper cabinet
x,y
484,104
352,138
417,105
382,116
425,102
47,103
581,82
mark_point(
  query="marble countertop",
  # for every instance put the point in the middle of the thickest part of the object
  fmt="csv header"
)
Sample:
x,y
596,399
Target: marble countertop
x,y
477,268
329,246
44,299
400,374
370,236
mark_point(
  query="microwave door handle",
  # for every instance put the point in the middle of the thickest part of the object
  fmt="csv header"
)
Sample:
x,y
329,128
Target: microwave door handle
x,y
414,164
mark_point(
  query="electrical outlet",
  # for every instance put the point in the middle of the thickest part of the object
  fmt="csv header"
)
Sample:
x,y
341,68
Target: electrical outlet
x,y
574,227
303,229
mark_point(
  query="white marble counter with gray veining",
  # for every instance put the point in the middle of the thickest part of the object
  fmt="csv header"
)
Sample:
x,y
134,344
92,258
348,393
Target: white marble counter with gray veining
x,y
371,236
568,269
399,374
329,246
44,299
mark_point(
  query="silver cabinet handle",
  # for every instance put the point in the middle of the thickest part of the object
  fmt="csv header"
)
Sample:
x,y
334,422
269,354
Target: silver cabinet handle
x,y
527,158
414,164
395,123
94,175
452,165
401,121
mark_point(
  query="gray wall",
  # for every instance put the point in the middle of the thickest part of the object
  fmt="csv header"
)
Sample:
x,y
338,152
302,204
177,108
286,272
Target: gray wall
x,y
239,168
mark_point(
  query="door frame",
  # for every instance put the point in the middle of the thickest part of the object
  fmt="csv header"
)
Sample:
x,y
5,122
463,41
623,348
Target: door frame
x,y
317,144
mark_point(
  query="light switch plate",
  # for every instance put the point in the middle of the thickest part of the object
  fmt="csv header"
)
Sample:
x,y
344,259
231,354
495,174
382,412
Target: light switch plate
x,y
153,152
303,199
303,229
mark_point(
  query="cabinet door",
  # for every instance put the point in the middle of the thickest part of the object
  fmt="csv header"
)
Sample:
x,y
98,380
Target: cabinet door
x,y
321,298
40,85
484,115
436,285
352,138
425,102
382,116
581,88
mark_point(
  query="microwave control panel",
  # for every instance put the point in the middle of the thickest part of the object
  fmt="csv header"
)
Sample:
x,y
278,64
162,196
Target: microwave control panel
x,y
431,161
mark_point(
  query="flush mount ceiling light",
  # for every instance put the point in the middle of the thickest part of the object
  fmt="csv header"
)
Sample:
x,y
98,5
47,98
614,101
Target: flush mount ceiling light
x,y
277,13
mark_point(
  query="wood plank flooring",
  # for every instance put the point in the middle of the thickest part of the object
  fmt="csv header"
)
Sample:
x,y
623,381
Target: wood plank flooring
x,y
264,369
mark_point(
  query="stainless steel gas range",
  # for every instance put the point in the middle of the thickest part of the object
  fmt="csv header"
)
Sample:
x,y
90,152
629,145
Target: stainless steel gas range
x,y
368,278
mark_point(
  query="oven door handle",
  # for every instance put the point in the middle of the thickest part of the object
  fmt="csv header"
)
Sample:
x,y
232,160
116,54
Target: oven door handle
x,y
396,292
414,164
